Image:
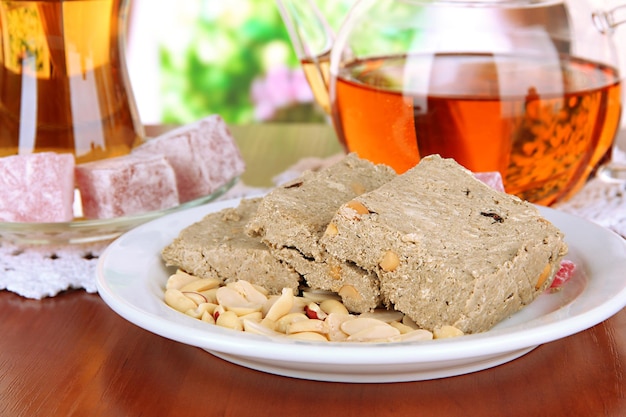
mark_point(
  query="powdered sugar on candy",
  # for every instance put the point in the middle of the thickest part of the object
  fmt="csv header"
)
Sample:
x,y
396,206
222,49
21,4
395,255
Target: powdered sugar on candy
x,y
37,187
203,154
187,163
126,185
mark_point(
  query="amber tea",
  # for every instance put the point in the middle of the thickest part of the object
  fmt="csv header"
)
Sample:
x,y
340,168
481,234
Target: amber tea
x,y
545,128
63,80
316,71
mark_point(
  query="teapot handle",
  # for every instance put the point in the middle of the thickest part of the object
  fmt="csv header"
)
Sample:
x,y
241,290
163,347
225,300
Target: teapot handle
x,y
607,21
308,30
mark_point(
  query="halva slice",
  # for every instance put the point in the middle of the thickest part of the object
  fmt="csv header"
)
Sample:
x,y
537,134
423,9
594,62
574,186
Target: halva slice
x,y
448,249
217,247
292,218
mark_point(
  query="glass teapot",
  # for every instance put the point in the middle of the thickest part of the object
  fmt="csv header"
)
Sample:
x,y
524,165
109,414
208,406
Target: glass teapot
x,y
529,88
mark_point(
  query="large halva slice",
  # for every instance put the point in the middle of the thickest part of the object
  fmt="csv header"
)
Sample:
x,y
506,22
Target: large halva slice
x,y
448,249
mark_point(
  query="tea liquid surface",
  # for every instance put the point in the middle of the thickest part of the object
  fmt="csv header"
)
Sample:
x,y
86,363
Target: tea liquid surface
x,y
63,80
544,127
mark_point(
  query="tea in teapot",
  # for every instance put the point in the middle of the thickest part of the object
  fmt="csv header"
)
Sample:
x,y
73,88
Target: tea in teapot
x,y
526,88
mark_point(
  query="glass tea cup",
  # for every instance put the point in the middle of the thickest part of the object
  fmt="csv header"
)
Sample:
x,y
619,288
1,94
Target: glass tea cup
x,y
524,87
64,85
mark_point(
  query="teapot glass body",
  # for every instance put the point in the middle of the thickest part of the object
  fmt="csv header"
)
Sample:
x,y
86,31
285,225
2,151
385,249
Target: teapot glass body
x,y
526,88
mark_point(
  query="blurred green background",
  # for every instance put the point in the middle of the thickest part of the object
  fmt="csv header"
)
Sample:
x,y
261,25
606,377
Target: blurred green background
x,y
233,58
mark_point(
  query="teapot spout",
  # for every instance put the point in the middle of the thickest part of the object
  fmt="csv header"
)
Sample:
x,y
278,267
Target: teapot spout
x,y
312,39
607,21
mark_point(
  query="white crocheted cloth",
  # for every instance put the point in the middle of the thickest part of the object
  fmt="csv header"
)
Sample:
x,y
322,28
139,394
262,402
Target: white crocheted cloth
x,y
45,271
40,271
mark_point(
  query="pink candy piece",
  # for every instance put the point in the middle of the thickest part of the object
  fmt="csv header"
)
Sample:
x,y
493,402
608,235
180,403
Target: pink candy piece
x,y
126,185
37,187
564,274
204,156
492,179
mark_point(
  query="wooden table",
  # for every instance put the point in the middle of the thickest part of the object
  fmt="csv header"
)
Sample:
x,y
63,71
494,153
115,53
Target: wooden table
x,y
72,356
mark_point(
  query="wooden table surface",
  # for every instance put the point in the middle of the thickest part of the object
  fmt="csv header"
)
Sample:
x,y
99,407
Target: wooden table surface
x,y
71,355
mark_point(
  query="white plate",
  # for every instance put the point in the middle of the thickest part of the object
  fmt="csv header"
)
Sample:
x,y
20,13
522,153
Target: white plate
x,y
131,277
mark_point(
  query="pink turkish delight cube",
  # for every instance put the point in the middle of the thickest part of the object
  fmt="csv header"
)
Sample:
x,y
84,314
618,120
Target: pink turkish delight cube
x,y
492,179
37,187
126,185
204,156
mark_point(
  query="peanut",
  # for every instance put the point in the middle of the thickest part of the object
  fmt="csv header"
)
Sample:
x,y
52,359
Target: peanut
x,y
251,326
357,206
208,317
282,305
331,230
334,322
203,308
210,295
348,291
358,188
359,324
283,323
353,210
389,262
415,335
229,320
446,331
178,301
200,285
403,328
335,272
248,291
378,333
228,297
333,306
179,279
195,297
314,311
312,336
311,325
543,276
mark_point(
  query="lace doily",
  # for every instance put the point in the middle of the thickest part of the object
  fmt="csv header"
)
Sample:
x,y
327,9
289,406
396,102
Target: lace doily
x,y
45,271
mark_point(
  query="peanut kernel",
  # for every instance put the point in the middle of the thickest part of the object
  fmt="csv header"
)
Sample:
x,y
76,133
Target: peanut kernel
x,y
335,272
446,331
348,291
544,275
357,206
331,230
389,262
357,188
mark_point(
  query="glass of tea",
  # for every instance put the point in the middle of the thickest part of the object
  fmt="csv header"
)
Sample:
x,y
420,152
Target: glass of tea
x,y
529,88
64,85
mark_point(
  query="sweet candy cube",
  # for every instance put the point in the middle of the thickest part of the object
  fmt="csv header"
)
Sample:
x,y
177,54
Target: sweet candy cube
x,y
37,187
204,156
126,185
492,179
564,274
